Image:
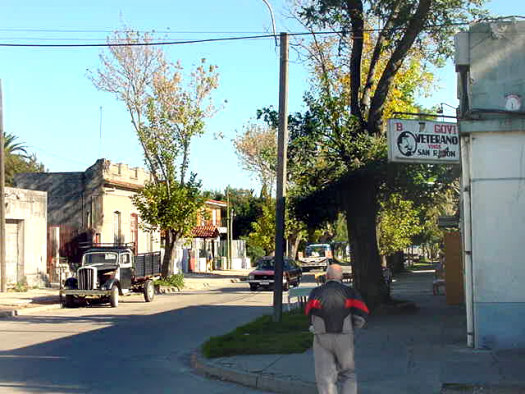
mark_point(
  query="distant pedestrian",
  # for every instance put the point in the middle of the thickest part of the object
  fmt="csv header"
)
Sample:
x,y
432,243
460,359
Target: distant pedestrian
x,y
335,310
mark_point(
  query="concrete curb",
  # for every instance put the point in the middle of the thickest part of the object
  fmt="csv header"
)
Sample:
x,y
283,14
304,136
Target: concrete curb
x,y
28,311
257,380
454,388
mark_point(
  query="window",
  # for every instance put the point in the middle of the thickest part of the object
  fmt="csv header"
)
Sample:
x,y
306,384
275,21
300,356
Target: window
x,y
134,231
117,229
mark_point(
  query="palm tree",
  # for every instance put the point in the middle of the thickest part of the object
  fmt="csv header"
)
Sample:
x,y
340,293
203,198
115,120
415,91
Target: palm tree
x,y
12,147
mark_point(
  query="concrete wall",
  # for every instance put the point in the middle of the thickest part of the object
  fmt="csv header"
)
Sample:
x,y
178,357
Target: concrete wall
x,y
64,191
498,226
28,208
491,65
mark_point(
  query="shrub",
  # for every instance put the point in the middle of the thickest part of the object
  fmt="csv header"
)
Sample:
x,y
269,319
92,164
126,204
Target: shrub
x,y
176,280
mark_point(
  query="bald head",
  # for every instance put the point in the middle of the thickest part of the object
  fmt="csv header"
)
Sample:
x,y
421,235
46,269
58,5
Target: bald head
x,y
334,272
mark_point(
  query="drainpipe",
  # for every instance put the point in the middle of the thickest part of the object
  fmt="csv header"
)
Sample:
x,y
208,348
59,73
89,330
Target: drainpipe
x,y
467,235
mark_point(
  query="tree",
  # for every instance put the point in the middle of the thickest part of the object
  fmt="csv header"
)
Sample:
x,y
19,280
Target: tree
x,y
17,159
12,147
398,224
263,234
167,111
355,82
256,148
246,206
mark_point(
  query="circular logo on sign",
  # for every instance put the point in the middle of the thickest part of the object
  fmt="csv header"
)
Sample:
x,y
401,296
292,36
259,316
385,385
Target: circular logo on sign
x,y
406,143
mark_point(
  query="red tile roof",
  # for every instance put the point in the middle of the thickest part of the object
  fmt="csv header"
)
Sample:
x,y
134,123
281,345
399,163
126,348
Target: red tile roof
x,y
205,232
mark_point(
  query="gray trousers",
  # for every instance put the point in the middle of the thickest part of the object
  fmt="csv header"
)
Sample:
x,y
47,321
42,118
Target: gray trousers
x,y
334,363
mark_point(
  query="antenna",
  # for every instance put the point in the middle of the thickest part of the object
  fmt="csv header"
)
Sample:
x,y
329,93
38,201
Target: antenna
x,y
100,136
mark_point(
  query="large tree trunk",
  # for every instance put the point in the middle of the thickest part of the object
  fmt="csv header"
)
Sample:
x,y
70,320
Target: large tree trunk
x,y
396,262
360,202
294,242
169,253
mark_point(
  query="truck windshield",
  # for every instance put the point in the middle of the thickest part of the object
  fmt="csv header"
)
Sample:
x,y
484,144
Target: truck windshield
x,y
100,258
316,251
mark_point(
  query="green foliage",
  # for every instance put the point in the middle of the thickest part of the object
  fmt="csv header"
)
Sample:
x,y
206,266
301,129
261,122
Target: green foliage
x,y
21,286
263,234
263,336
398,223
254,252
18,164
174,207
246,207
17,159
176,280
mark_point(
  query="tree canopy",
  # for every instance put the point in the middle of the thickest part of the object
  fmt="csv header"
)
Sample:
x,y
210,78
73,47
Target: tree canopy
x,y
358,79
167,109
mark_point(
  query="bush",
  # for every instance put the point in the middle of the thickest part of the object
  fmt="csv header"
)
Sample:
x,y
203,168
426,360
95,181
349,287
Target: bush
x,y
21,286
176,280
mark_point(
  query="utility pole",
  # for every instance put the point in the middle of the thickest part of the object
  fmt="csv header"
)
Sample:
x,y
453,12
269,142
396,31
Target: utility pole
x,y
3,273
282,147
228,231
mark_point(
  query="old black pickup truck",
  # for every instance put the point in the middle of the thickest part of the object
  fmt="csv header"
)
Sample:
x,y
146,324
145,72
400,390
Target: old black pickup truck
x,y
112,270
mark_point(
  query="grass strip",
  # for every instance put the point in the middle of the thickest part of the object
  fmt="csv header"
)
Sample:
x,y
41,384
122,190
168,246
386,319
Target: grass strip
x,y
263,336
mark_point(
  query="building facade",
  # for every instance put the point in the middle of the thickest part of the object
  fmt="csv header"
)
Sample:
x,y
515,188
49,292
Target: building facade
x,y
490,66
93,206
26,237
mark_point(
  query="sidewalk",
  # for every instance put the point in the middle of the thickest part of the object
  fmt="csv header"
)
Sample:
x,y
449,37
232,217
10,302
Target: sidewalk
x,y
36,300
18,303
419,352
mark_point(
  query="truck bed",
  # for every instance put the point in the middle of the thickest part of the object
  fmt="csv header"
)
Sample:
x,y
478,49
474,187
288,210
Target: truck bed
x,y
147,264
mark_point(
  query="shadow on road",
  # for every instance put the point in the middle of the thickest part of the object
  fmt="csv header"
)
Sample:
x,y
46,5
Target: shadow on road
x,y
134,354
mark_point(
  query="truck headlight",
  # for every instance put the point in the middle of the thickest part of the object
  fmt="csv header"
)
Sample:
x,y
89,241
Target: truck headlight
x,y
251,277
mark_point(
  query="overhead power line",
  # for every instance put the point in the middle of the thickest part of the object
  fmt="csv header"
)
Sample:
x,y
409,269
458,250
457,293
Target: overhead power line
x,y
223,39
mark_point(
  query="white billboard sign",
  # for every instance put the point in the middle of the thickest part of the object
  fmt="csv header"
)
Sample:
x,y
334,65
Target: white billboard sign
x,y
422,141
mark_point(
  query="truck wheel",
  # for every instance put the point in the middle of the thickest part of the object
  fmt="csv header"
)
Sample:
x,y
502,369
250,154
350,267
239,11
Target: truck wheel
x,y
69,301
113,298
253,286
149,291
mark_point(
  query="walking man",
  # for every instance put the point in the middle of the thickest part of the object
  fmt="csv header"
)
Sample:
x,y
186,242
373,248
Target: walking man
x,y
334,310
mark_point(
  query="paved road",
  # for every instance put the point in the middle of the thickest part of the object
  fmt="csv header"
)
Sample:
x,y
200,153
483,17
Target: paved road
x,y
137,347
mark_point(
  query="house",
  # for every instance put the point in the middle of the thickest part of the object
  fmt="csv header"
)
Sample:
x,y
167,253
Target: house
x,y
210,241
206,249
91,206
25,236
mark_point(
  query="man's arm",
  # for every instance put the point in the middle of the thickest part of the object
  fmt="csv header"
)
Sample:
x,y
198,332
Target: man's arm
x,y
358,308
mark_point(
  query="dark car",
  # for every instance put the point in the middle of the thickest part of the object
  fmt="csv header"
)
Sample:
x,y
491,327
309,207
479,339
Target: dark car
x,y
263,275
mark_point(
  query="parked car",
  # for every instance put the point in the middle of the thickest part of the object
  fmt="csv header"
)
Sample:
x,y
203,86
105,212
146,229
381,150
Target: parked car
x,y
111,270
263,275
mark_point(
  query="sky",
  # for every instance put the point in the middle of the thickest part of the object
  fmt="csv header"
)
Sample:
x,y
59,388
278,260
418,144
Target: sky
x,y
54,109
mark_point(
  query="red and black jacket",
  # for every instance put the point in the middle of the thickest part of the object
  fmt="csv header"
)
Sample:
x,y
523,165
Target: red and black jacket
x,y
336,304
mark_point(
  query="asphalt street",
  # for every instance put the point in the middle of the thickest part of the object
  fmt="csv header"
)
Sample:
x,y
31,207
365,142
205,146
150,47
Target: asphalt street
x,y
137,347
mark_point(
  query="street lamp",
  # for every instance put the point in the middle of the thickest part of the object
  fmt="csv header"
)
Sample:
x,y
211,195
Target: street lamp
x,y
273,20
440,109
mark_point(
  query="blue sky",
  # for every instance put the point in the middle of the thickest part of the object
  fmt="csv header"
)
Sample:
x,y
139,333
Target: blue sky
x,y
54,109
